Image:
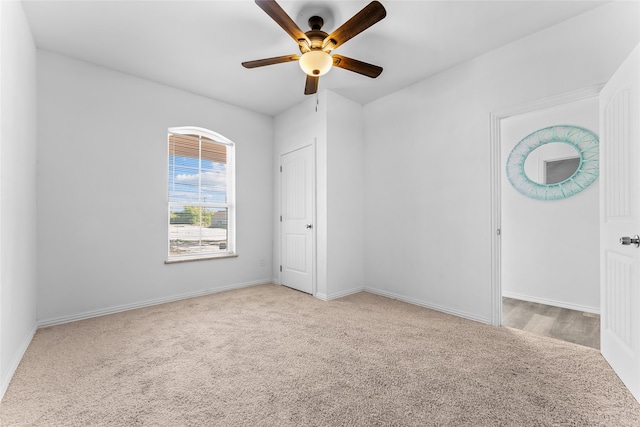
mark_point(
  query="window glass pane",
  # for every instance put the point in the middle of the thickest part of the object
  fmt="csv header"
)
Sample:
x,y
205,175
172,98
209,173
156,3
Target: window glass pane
x,y
183,184
207,184
181,161
213,184
196,230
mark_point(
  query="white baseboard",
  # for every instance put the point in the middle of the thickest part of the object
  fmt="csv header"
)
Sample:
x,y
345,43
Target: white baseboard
x,y
15,361
329,297
148,303
428,305
554,303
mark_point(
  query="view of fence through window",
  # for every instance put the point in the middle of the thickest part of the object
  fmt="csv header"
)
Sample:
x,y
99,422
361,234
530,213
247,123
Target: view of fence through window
x,y
198,196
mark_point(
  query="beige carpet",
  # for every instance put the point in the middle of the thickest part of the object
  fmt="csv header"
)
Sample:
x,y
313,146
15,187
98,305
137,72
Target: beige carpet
x,y
271,356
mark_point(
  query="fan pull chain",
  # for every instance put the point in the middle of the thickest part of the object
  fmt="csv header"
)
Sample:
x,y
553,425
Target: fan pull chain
x,y
317,102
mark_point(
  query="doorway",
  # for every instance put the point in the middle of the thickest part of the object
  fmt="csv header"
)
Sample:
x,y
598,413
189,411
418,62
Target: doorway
x,y
538,283
550,259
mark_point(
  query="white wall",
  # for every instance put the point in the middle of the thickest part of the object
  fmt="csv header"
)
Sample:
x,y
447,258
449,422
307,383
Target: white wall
x,y
334,124
345,182
550,249
427,157
18,224
102,191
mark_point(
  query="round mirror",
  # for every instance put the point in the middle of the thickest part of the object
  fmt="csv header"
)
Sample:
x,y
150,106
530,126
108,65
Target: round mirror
x,y
554,163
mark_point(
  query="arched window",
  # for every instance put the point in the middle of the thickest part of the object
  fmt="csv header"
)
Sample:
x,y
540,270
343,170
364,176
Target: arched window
x,y
201,194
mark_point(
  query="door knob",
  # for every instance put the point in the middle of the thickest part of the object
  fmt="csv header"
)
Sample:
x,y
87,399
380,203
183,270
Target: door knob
x,y
630,240
309,226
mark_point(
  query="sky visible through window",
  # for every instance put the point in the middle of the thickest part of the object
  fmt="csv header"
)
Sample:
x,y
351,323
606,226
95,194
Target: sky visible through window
x,y
190,182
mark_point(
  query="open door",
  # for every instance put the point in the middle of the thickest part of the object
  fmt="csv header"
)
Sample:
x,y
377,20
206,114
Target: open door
x,y
620,222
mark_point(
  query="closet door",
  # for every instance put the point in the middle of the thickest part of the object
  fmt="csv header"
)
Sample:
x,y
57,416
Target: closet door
x,y
297,180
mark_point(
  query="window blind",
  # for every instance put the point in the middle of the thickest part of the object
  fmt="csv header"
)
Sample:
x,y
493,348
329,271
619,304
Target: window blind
x,y
189,146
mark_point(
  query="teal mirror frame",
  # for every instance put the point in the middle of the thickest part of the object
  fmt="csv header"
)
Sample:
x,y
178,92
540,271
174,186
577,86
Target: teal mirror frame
x,y
583,140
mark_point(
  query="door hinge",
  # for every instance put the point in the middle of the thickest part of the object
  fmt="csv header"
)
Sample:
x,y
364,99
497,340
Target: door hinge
x,y
280,268
280,218
280,168
499,232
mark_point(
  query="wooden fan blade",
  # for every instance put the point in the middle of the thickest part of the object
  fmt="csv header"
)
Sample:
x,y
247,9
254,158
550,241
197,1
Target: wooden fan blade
x,y
270,61
311,86
356,66
278,14
359,22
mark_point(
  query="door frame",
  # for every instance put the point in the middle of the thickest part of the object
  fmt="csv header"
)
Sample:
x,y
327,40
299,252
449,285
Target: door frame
x,y
496,169
288,150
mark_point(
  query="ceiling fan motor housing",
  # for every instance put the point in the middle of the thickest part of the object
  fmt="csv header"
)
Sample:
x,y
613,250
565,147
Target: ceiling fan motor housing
x,y
316,22
316,36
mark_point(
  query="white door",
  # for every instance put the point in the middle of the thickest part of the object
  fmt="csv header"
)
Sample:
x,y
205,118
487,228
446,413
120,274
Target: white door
x,y
297,177
620,218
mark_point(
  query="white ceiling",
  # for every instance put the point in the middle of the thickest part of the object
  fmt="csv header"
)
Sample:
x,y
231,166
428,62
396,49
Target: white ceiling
x,y
198,46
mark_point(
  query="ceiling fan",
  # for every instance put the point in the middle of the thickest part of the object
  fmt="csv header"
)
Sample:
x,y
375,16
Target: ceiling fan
x,y
316,45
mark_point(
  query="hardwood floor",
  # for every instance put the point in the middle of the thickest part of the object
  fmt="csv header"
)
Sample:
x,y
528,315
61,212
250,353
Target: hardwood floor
x,y
560,323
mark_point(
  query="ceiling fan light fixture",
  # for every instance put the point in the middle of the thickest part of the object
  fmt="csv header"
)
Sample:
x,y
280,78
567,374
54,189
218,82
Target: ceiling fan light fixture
x,y
316,63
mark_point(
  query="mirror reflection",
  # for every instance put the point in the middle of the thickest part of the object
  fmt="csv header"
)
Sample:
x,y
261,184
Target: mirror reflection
x,y
552,163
